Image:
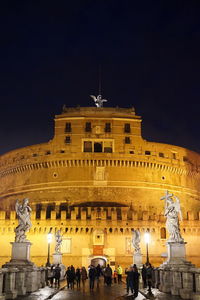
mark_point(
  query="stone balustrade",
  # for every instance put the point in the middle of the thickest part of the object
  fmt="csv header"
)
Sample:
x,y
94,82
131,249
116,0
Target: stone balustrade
x,y
179,281
16,282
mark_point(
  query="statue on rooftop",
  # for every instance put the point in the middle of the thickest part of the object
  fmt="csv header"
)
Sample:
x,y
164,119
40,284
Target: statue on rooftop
x,y
58,238
172,211
136,241
23,212
98,100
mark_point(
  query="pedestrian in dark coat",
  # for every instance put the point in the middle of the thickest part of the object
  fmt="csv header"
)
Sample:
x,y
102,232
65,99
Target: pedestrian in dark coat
x,y
78,277
69,277
149,272
57,273
136,276
92,275
98,273
144,276
129,279
83,276
108,275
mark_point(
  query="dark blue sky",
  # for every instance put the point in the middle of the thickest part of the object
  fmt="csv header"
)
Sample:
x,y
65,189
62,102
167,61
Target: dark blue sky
x,y
149,53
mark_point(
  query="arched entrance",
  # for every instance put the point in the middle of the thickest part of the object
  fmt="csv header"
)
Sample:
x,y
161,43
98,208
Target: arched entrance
x,y
98,260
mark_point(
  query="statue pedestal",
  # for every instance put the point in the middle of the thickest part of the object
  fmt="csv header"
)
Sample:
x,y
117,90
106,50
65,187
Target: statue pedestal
x,y
176,253
26,274
21,254
57,259
137,259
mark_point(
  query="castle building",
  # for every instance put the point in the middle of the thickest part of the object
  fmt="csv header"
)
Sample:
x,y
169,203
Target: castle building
x,y
97,180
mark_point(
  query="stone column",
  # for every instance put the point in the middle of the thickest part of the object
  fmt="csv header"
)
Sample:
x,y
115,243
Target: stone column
x,y
176,281
187,290
196,296
31,279
20,282
2,278
166,281
10,279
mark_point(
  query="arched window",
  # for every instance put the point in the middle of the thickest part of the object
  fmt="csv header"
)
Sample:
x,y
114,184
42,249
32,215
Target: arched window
x,y
163,233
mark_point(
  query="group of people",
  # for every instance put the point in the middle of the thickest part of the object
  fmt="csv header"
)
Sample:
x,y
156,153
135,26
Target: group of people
x,y
75,277
80,275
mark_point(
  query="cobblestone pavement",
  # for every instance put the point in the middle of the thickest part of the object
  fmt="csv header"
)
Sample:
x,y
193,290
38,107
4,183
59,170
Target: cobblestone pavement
x,y
115,292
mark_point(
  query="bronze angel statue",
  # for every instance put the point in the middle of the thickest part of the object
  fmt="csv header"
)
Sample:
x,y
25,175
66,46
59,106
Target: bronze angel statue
x,y
23,212
98,100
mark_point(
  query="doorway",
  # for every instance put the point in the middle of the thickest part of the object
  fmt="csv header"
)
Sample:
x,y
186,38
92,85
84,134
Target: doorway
x,y
98,260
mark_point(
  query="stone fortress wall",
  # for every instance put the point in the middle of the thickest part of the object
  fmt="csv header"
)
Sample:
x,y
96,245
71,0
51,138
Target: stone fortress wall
x,y
98,173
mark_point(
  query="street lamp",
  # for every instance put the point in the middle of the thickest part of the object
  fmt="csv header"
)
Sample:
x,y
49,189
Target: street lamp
x,y
147,240
49,240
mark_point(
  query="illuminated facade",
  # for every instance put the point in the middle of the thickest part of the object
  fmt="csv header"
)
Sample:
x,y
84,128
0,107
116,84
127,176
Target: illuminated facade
x,y
96,181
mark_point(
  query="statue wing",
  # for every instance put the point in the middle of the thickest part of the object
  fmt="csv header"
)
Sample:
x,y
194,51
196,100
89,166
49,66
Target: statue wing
x,y
93,97
104,100
178,207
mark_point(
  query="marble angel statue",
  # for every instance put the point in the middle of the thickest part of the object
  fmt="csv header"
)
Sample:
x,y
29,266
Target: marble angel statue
x,y
136,241
23,212
58,238
172,213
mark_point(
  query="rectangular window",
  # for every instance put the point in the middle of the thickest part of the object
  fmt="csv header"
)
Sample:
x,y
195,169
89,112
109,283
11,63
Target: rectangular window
x,y
88,127
107,127
131,152
147,152
87,147
68,127
173,155
108,147
67,140
127,140
127,128
161,154
48,152
185,158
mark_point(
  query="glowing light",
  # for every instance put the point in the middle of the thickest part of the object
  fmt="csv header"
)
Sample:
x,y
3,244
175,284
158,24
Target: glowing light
x,y
49,237
147,237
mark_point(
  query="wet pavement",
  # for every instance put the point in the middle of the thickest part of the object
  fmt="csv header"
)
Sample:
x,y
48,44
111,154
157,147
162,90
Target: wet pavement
x,y
115,292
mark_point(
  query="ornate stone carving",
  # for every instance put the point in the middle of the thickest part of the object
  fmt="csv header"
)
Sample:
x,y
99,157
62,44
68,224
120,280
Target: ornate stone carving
x,y
172,210
23,212
136,241
58,238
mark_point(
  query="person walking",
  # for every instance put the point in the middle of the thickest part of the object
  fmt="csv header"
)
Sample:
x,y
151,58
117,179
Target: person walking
x,y
57,273
129,280
144,276
119,274
69,277
73,275
98,273
83,276
108,275
92,275
136,276
149,273
78,277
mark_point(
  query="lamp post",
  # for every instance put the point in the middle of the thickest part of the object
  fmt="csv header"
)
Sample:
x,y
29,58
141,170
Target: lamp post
x,y
147,240
49,240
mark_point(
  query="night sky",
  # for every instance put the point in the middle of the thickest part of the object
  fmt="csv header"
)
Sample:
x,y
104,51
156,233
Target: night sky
x,y
149,52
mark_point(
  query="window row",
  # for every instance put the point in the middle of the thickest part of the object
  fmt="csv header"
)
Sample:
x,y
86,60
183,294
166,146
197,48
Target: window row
x,y
88,127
